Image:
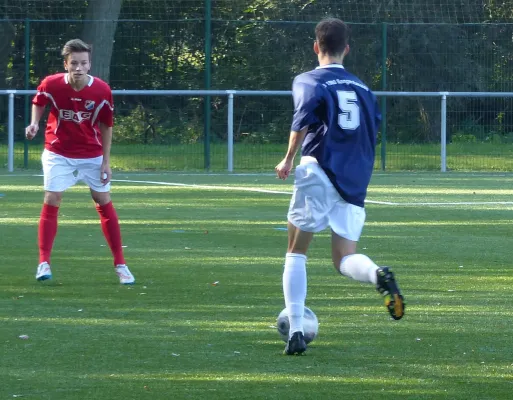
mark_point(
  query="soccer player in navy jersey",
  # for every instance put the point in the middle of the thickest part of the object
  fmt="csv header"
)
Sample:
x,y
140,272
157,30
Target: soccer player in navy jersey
x,y
336,120
78,140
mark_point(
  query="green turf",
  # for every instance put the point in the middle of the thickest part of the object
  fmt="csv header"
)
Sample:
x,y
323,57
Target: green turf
x,y
464,157
174,335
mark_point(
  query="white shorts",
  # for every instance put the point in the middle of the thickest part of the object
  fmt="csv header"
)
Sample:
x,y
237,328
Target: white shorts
x,y
61,173
316,204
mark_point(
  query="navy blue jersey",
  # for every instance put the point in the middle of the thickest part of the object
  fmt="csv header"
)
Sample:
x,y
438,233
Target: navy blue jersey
x,y
343,118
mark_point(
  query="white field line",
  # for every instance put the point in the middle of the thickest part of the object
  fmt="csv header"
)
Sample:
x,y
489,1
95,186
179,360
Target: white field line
x,y
257,190
249,189
209,187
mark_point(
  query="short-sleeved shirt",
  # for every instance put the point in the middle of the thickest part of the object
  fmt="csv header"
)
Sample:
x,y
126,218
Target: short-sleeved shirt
x,y
343,117
73,129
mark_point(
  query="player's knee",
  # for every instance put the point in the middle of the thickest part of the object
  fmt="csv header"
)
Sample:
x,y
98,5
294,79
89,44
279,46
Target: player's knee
x,y
338,256
53,198
299,240
100,198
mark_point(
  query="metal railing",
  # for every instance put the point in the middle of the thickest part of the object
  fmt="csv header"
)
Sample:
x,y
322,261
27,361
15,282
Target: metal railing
x,y
231,94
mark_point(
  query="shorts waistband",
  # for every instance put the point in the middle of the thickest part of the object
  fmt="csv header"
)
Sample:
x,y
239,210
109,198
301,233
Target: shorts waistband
x,y
308,160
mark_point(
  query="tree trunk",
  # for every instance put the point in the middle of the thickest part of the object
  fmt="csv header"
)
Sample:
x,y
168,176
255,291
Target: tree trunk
x,y
6,38
99,30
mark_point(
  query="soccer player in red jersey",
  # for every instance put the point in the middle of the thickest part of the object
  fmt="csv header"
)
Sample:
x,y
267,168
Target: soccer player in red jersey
x,y
78,140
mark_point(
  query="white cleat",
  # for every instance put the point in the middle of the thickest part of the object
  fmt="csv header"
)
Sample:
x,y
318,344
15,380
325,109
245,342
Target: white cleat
x,y
43,272
125,276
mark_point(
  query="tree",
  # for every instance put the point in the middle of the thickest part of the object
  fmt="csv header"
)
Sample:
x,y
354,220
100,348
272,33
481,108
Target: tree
x,y
6,40
7,34
100,27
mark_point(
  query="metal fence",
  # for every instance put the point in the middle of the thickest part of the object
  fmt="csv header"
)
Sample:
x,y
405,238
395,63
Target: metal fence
x,y
414,47
265,55
246,141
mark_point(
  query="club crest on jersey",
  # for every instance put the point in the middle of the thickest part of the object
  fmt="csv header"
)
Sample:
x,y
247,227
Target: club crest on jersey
x,y
89,104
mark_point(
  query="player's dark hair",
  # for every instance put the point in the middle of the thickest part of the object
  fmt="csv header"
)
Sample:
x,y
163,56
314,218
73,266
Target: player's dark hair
x,y
75,46
332,36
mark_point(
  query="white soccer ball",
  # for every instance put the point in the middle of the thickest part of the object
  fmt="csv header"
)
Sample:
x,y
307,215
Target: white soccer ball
x,y
310,325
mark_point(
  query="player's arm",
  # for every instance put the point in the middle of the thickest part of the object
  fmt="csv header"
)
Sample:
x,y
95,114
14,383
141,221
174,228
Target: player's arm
x,y
106,172
306,100
295,141
39,103
37,114
106,121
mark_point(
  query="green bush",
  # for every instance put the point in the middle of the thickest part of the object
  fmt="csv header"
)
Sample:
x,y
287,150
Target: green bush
x,y
273,132
494,137
147,126
463,138
129,129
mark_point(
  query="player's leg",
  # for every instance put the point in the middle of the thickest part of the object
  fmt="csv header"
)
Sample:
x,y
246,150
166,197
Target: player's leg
x,y
89,171
345,260
306,215
111,230
58,176
346,221
295,278
295,286
47,231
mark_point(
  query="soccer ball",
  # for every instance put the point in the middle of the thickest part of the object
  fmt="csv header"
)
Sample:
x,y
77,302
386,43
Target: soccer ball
x,y
310,325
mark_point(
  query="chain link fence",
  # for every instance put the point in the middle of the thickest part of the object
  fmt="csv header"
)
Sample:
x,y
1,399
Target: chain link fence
x,y
414,45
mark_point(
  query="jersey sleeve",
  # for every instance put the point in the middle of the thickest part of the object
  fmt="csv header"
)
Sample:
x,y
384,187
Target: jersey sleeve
x,y
106,115
42,97
306,100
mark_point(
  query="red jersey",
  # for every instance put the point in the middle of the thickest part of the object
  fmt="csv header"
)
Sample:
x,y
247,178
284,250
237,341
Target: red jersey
x,y
73,124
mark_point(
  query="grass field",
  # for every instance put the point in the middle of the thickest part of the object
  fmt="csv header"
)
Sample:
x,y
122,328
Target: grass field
x,y
462,157
175,335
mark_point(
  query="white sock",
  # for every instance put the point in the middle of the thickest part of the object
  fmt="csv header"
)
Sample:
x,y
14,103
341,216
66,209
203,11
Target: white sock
x,y
359,267
294,290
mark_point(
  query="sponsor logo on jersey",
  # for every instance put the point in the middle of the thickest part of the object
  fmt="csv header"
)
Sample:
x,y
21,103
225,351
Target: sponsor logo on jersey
x,y
75,99
89,104
77,117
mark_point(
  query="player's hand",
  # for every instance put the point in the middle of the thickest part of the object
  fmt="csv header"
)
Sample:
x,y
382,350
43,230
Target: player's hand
x,y
283,168
31,131
105,174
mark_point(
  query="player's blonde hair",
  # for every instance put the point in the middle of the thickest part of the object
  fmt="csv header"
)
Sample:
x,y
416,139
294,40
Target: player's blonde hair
x,y
75,46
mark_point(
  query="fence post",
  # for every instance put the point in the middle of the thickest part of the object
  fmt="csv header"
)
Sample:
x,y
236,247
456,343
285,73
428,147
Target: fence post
x,y
230,129
384,98
208,56
443,132
27,76
10,133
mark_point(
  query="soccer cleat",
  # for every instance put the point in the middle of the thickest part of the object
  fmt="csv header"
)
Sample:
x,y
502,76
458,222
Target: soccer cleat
x,y
388,288
295,345
125,276
43,272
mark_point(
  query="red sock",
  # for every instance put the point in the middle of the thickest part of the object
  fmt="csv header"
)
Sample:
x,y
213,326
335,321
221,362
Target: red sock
x,y
47,231
111,231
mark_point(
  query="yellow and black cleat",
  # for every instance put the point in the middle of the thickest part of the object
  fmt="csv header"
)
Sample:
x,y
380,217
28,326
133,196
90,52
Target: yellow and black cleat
x,y
387,286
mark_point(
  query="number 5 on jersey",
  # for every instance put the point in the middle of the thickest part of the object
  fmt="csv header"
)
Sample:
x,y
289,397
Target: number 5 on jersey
x,y
349,116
